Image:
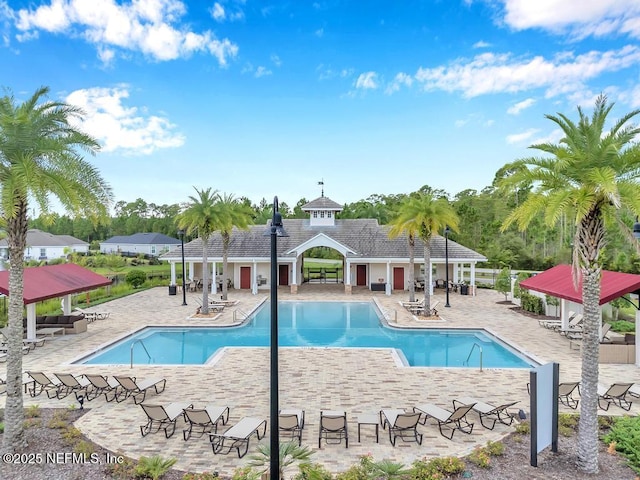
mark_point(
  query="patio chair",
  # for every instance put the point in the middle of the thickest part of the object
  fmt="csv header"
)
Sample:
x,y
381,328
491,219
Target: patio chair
x,y
615,394
161,417
130,387
72,384
576,334
565,394
634,391
555,323
40,383
455,420
333,428
575,325
92,316
440,283
31,343
417,303
204,420
487,411
102,384
237,437
291,423
401,424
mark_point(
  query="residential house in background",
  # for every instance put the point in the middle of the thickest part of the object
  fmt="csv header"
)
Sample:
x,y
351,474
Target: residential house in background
x,y
47,246
149,244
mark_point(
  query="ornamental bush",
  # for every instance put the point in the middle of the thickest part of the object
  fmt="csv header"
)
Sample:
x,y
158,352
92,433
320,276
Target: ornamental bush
x,y
135,278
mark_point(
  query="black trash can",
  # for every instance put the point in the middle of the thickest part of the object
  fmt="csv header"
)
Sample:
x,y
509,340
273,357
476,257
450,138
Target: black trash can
x,y
464,289
172,289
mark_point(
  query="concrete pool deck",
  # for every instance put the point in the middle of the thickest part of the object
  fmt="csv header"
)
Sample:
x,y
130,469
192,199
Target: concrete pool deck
x,y
358,381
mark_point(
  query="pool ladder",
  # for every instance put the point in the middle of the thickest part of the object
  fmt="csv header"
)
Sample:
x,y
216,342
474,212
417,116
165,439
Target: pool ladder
x,y
473,347
131,352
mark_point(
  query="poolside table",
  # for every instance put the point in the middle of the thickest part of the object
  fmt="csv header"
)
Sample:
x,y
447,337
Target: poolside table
x,y
366,419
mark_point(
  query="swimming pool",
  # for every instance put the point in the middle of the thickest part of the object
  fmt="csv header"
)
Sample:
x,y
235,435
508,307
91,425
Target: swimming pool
x,y
313,324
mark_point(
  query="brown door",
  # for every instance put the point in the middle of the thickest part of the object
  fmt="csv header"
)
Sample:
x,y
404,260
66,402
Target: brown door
x,y
245,278
398,278
361,274
283,273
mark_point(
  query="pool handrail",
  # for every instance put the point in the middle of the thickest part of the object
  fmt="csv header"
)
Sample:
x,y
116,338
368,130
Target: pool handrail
x,y
133,344
475,344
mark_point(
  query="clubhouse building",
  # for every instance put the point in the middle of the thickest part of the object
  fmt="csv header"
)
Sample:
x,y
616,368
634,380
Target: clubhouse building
x,y
370,259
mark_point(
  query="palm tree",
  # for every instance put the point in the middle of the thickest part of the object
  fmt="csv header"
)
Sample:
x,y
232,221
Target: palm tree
x,y
202,217
39,158
423,215
589,174
232,214
403,223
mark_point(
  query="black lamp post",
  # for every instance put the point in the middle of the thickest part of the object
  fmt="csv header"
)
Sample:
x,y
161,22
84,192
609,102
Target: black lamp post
x,y
446,261
276,230
184,286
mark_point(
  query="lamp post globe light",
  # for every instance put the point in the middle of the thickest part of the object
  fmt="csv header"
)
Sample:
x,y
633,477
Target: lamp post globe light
x,y
276,230
184,289
447,230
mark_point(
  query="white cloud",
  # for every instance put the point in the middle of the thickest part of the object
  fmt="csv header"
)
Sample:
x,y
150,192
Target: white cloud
x,y
217,12
262,72
481,44
553,137
401,79
580,18
367,81
518,107
521,137
319,33
326,72
118,127
275,59
151,27
496,73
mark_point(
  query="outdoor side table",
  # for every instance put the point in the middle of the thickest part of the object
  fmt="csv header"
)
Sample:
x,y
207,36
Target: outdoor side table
x,y
368,420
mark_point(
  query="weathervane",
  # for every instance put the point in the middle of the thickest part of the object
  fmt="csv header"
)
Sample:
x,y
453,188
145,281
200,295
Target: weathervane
x,y
321,183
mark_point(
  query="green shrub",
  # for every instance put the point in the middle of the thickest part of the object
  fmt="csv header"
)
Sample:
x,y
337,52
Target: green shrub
x,y
32,411
1,427
622,326
124,470
360,471
71,435
245,473
154,467
568,420
135,278
312,471
200,476
436,468
84,448
495,449
531,303
625,434
480,457
523,428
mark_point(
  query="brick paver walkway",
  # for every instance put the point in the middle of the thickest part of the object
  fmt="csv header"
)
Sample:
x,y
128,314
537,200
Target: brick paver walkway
x,y
355,380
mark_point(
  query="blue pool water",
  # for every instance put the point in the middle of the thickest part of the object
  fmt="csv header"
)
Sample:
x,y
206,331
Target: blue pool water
x,y
314,324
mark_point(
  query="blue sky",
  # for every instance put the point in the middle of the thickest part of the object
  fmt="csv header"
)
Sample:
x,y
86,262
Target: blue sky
x,y
260,98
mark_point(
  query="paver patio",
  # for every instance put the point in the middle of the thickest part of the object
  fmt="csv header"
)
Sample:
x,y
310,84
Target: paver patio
x,y
356,380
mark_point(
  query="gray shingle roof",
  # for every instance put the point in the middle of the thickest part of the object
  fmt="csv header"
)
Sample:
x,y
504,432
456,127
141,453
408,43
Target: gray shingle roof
x,y
364,236
38,238
322,203
144,239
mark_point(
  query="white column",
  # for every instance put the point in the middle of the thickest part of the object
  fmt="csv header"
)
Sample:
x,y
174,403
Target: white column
x,y
564,314
387,286
254,278
173,273
190,270
31,321
294,274
66,304
473,278
455,272
214,279
347,273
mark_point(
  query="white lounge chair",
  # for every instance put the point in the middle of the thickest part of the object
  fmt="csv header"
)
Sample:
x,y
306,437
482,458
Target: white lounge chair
x,y
237,437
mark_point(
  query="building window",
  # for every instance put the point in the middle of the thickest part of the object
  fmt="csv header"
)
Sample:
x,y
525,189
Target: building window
x,y
315,214
322,214
328,214
153,249
43,253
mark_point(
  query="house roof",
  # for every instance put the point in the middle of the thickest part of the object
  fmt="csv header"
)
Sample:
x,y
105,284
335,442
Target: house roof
x,y
38,238
53,281
143,239
365,237
558,282
322,203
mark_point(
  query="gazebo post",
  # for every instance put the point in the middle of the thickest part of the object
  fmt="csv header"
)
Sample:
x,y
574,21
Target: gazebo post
x,y
31,321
